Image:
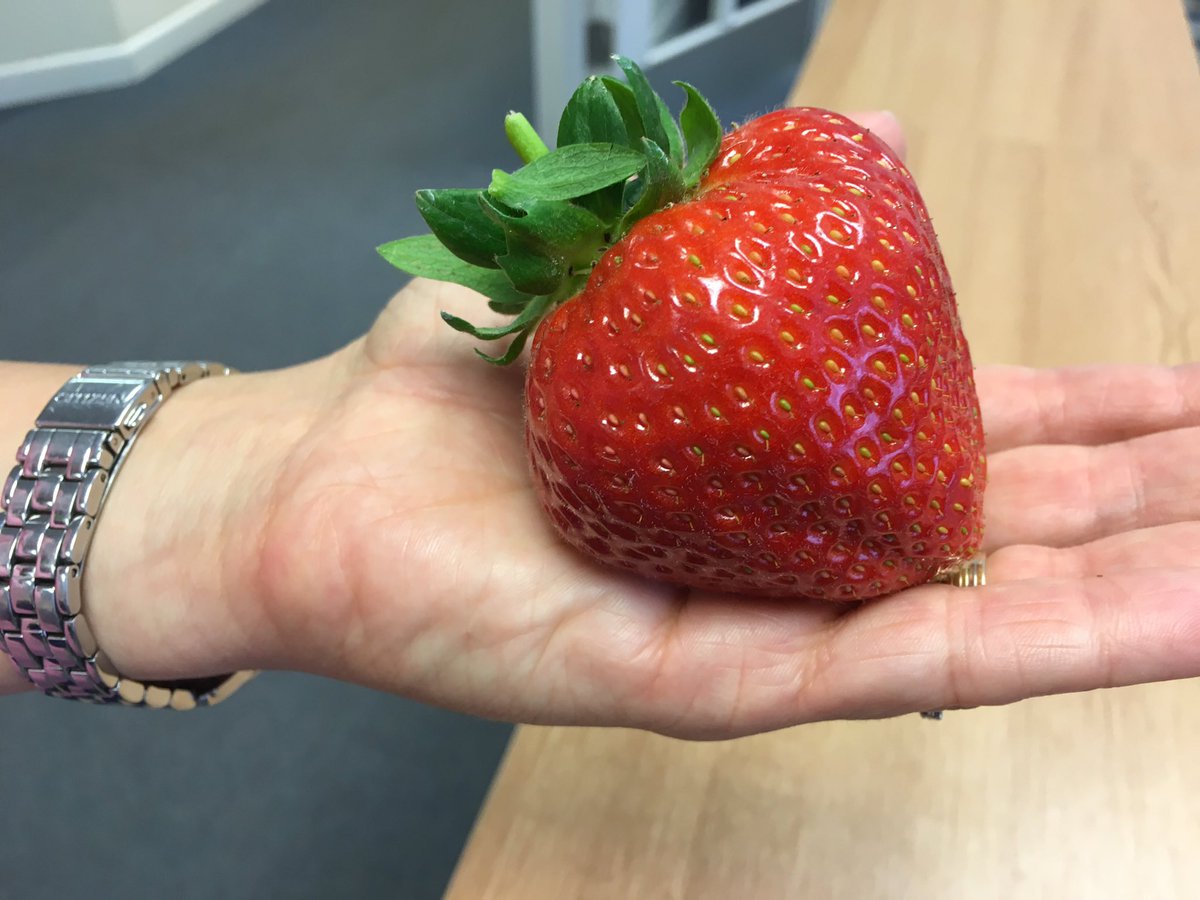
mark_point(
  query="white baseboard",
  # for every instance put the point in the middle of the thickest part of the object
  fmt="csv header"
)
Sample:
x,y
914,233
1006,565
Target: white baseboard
x,y
115,65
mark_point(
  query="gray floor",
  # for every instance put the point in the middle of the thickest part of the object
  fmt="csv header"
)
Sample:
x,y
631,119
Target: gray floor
x,y
227,208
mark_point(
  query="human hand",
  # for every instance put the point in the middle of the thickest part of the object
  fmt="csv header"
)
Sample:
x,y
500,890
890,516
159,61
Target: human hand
x,y
408,553
398,543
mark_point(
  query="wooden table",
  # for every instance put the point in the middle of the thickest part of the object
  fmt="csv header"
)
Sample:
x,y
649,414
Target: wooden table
x,y
1058,145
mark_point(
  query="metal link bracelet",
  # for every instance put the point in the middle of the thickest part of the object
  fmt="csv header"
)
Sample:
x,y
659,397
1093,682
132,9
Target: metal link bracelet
x,y
50,503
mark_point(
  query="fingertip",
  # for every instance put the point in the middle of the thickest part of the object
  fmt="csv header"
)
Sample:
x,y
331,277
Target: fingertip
x,y
885,125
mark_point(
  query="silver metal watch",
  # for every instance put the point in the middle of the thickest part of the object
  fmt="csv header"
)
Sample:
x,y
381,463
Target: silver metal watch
x,y
50,503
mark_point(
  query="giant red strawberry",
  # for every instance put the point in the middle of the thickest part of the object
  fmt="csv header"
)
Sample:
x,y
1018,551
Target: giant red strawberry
x,y
747,371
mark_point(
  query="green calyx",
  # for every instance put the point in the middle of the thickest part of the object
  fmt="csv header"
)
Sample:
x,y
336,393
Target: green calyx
x,y
529,240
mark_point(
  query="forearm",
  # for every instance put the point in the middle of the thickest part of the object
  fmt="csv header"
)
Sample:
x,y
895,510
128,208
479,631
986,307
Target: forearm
x,y
169,580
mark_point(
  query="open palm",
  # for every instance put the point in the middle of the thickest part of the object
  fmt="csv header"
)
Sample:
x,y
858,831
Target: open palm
x,y
409,554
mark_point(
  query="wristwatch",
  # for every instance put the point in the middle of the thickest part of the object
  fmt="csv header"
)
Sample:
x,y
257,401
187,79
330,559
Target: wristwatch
x,y
50,503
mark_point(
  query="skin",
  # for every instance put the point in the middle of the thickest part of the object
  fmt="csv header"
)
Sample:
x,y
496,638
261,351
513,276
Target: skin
x,y
368,516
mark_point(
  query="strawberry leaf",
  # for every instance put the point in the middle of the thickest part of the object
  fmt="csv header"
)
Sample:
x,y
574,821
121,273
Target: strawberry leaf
x,y
674,139
566,173
532,312
427,257
542,240
628,108
457,218
554,226
510,355
531,270
592,117
484,334
702,131
650,107
509,308
660,183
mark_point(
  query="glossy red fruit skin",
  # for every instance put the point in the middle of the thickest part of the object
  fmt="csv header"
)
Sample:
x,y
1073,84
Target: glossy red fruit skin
x,y
766,390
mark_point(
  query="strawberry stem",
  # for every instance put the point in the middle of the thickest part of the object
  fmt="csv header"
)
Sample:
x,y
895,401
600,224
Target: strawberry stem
x,y
530,240
524,137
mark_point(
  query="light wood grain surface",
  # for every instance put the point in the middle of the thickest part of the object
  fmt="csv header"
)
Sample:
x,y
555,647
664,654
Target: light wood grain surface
x,y
1058,146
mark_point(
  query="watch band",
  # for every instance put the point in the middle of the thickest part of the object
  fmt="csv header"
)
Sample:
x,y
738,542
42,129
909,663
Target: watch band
x,y
50,503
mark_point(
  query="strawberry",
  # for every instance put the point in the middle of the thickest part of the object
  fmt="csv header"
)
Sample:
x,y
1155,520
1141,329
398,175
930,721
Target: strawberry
x,y
747,371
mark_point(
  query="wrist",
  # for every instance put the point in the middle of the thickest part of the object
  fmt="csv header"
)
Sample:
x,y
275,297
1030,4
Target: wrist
x,y
169,586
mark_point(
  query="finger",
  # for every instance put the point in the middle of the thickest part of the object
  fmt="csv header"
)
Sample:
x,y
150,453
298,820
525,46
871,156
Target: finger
x,y
886,126
1061,496
1084,405
938,647
1146,548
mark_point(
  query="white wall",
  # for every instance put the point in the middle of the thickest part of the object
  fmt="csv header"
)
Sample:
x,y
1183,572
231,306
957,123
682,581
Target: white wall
x,y
29,29
134,15
52,48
